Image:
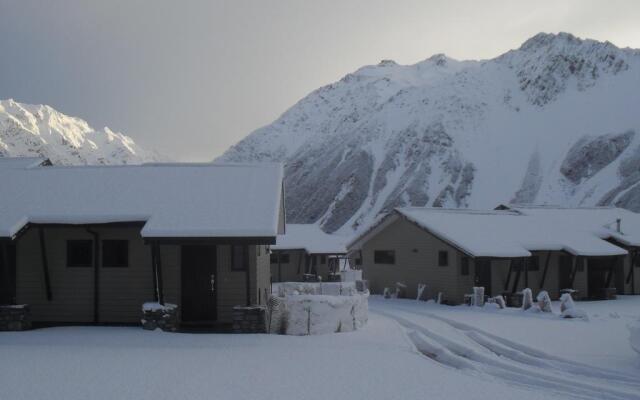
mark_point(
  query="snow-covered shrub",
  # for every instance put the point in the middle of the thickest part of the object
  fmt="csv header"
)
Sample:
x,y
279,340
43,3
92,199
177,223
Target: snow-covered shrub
x,y
421,289
566,302
478,296
499,300
544,301
634,336
527,299
568,308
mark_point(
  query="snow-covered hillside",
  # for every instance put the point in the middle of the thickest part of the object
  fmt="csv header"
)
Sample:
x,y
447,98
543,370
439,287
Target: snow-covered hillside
x,y
553,122
39,130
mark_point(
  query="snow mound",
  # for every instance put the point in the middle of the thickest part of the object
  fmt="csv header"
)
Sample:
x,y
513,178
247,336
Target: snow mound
x,y
634,336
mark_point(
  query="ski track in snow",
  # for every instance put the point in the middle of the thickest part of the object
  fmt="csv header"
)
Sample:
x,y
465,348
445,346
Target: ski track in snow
x,y
470,349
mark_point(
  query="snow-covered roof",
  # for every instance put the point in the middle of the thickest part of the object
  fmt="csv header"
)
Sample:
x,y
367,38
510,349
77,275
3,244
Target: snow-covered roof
x,y
312,239
22,162
601,221
174,200
513,232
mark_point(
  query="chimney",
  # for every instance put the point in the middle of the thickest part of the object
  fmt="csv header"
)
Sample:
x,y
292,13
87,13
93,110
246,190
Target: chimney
x,y
618,222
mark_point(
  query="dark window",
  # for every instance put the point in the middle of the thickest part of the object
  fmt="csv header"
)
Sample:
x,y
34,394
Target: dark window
x,y
443,258
358,261
323,259
239,257
79,253
284,258
115,253
534,263
384,257
464,266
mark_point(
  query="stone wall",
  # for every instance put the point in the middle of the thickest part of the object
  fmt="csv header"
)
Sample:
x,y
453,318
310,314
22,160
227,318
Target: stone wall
x,y
155,316
15,318
249,319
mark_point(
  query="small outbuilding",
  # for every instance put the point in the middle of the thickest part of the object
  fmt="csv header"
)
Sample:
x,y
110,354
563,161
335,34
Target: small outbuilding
x,y
91,244
588,250
306,252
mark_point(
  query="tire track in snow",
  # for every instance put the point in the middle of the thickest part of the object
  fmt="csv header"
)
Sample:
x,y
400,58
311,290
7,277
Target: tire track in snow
x,y
516,369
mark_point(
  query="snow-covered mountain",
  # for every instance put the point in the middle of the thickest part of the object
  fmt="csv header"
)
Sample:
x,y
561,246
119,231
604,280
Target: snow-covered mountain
x,y
556,121
39,130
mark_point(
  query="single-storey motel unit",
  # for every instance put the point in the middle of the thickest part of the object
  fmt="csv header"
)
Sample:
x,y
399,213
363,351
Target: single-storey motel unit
x,y
589,250
305,251
91,244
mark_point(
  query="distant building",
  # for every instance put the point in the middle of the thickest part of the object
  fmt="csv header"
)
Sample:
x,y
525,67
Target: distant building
x,y
91,244
590,250
306,250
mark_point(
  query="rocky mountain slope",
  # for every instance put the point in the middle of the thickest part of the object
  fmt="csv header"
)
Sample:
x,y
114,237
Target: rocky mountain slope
x,y
552,122
39,130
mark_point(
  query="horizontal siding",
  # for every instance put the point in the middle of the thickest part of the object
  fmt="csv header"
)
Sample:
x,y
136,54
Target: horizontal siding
x,y
416,253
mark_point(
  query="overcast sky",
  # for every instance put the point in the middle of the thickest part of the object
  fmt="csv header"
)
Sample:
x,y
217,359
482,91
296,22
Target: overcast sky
x,y
189,79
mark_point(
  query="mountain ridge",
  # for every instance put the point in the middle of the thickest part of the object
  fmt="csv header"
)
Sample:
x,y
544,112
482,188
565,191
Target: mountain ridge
x,y
40,130
524,126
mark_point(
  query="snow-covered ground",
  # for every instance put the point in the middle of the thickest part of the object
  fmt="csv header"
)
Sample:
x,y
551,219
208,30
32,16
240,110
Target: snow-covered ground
x,y
408,350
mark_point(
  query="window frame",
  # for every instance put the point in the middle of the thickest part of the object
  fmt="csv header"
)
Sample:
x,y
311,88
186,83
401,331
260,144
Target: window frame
x,y
104,253
390,253
76,242
245,255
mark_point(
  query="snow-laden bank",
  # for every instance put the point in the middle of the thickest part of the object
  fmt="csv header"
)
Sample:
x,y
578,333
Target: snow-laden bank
x,y
317,308
634,336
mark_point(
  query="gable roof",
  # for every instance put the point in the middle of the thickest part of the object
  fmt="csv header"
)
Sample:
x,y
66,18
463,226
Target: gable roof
x,y
505,233
310,238
173,200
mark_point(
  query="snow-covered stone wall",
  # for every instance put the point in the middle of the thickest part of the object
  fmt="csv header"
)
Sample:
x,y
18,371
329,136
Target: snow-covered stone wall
x,y
300,309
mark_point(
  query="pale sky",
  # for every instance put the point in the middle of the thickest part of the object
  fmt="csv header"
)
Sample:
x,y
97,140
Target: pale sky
x,y
191,78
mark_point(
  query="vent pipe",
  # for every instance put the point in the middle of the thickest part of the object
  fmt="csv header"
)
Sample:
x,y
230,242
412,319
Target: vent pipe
x,y
618,222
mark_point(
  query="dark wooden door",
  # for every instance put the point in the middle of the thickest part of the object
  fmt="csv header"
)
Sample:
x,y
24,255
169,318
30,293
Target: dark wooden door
x,y
599,268
7,273
483,275
565,269
199,283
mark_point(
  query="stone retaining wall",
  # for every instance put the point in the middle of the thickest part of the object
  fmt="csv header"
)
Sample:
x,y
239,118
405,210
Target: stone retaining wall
x,y
249,319
15,318
156,316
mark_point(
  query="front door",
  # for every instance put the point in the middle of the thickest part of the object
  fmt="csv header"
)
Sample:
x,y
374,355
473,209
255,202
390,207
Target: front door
x,y
199,283
483,275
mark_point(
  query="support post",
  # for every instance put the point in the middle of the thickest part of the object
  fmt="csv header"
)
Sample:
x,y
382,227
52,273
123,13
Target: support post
x,y
96,275
506,284
517,280
612,267
45,264
154,273
279,268
248,275
525,264
574,269
159,273
546,268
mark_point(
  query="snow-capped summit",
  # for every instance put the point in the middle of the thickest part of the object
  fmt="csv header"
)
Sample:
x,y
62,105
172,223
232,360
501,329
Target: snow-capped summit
x,y
39,130
552,122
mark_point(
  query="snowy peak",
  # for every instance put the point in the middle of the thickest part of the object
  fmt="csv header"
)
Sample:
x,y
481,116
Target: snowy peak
x,y
39,130
548,64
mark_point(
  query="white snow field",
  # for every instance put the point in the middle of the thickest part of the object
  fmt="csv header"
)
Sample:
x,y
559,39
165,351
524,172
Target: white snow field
x,y
408,350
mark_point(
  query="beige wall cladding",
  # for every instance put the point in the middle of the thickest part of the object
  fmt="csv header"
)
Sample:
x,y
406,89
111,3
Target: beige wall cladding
x,y
416,261
122,290
289,271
